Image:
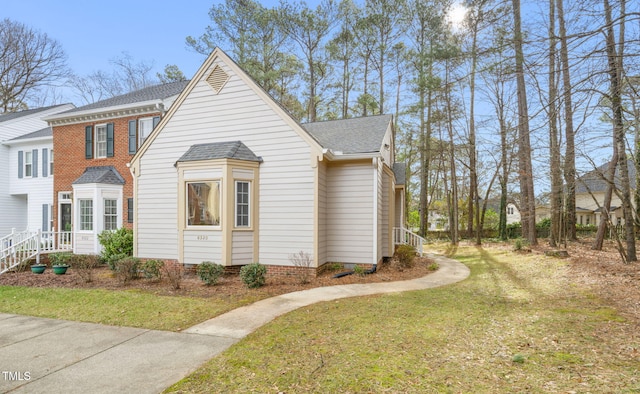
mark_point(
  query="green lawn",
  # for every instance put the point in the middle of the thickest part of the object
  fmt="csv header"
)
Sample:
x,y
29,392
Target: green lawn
x,y
114,307
516,325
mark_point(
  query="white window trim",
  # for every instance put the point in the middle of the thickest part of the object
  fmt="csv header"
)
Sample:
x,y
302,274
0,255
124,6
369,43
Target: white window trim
x,y
236,204
29,163
80,215
140,139
110,215
97,142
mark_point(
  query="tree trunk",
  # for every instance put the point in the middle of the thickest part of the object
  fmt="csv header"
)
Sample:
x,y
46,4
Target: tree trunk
x,y
524,142
615,72
554,148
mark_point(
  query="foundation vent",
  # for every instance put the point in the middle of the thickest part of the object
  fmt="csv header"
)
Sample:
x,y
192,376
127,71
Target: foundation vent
x,y
217,79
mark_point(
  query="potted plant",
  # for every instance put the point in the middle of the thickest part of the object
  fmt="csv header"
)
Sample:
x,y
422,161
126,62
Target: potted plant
x,y
59,262
38,268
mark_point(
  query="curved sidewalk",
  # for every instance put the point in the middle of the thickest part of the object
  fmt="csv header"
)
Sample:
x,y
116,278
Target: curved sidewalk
x,y
240,322
40,355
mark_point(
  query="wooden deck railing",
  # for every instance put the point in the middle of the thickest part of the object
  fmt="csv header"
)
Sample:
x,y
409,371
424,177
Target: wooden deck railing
x,y
402,236
19,247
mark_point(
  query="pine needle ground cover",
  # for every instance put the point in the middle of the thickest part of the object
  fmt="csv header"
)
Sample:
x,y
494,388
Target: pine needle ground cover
x,y
518,324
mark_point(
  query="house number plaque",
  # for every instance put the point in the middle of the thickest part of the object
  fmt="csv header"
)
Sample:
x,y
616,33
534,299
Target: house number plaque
x,y
202,237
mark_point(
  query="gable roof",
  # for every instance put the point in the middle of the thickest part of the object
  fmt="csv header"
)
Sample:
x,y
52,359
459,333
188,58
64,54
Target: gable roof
x,y
593,181
5,117
354,135
156,92
219,150
200,75
102,174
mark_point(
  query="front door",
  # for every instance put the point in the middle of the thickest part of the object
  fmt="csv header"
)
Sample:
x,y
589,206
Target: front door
x,y
65,217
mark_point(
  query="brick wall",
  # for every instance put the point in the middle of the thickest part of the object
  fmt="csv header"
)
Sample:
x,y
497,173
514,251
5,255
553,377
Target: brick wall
x,y
70,161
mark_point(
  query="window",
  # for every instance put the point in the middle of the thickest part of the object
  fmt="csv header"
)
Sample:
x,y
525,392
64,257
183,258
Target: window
x,y
130,210
28,164
51,163
86,215
101,141
203,203
242,204
145,126
509,210
110,214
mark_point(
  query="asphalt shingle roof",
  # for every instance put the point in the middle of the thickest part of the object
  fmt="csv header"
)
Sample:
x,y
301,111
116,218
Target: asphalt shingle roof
x,y
593,180
46,132
15,115
356,135
219,150
103,174
156,92
400,171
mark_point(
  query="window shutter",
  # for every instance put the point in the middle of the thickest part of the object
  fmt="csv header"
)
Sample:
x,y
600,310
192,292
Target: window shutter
x,y
45,217
45,162
156,120
132,137
88,142
130,210
110,140
34,165
20,164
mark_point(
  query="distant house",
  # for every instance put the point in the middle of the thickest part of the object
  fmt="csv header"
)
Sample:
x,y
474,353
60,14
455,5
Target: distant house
x,y
229,176
590,192
92,188
26,161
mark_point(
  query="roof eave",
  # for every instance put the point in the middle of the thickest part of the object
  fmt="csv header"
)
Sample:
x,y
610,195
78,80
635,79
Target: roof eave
x,y
339,156
148,106
26,140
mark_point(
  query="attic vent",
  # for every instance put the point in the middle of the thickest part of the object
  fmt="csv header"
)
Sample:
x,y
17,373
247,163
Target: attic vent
x,y
217,78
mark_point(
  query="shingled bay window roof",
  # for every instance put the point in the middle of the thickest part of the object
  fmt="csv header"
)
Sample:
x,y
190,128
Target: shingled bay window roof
x,y
219,150
103,174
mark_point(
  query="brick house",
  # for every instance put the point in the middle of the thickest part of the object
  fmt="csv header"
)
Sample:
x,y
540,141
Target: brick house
x,y
92,188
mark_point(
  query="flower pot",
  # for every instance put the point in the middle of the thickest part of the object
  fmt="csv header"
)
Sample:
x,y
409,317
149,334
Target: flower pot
x,y
60,269
38,268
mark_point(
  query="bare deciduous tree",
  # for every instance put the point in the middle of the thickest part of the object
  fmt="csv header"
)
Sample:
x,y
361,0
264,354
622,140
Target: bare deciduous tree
x,y
29,60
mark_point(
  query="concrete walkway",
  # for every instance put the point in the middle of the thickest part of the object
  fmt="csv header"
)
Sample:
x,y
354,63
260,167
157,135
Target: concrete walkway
x,y
52,356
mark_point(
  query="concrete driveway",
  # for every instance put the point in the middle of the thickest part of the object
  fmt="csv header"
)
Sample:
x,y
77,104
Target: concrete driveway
x,y
53,356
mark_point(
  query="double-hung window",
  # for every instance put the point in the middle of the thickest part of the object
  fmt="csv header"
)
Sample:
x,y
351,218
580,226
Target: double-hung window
x,y
51,162
242,203
110,214
28,164
86,214
101,141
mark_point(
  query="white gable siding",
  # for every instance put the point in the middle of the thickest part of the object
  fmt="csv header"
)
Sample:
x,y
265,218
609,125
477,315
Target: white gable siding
x,y
350,222
286,179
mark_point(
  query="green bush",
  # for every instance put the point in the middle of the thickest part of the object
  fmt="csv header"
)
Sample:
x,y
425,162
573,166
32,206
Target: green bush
x,y
116,245
358,270
543,223
60,258
127,269
209,272
405,255
253,275
152,269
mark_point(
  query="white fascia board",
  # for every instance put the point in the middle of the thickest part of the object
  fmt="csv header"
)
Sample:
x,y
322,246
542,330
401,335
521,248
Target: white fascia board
x,y
103,112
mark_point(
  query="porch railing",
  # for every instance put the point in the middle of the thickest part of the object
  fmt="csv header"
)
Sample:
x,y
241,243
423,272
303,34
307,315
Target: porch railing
x,y
402,236
22,246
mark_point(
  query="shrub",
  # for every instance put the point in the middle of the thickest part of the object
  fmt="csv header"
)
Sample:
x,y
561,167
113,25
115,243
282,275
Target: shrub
x,y
253,275
84,264
209,272
113,260
405,255
60,258
116,245
303,261
173,272
127,269
518,245
152,269
358,270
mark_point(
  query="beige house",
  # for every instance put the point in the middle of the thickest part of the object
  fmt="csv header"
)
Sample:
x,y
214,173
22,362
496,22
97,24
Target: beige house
x,y
229,176
590,192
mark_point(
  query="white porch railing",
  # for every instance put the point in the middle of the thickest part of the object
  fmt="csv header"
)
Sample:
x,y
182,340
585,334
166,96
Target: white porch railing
x,y
402,236
19,247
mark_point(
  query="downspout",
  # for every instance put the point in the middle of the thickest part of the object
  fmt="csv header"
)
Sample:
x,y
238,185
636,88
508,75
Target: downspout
x,y
375,210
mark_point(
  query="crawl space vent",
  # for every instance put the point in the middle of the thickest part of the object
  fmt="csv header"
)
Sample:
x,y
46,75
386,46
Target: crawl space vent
x,y
217,78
